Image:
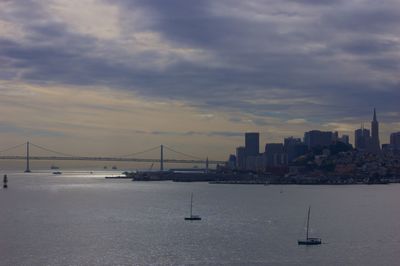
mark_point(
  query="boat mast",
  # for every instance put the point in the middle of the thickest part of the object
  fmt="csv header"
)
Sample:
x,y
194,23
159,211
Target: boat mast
x,y
191,204
308,220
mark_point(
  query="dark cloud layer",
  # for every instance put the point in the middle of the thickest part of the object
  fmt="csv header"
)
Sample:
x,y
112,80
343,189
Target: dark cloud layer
x,y
260,57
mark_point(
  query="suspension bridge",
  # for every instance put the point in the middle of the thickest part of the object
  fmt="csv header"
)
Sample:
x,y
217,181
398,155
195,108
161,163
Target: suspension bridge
x,y
59,156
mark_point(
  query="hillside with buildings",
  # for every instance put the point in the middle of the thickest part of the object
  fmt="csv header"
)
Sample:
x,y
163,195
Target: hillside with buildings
x,y
320,157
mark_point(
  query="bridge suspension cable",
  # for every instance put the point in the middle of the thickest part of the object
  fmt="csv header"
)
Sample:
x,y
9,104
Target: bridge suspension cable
x,y
184,154
53,151
140,152
13,147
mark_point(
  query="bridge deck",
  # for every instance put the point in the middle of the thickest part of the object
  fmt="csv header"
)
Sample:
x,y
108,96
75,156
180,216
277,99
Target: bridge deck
x,y
108,159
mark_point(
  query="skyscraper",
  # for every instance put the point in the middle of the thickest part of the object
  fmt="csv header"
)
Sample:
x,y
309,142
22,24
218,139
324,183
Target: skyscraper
x,y
375,144
294,148
252,143
241,158
231,164
315,138
362,138
273,150
395,141
291,141
344,139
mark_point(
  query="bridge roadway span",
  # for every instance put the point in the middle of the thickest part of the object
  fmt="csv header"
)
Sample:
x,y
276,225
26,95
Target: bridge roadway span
x,y
107,159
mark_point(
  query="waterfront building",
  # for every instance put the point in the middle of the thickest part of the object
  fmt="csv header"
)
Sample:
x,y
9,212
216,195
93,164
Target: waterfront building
x,y
317,138
252,143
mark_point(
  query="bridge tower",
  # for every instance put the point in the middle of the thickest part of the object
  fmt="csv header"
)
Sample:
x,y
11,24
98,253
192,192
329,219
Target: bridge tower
x,y
161,158
27,170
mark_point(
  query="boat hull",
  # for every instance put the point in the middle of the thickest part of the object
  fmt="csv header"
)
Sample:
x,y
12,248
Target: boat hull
x,y
310,242
192,218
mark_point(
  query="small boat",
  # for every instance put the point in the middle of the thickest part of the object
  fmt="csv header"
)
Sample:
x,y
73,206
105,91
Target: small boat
x,y
309,240
114,167
57,173
5,181
192,217
54,167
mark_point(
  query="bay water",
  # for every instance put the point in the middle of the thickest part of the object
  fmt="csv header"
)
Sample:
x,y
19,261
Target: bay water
x,y
81,218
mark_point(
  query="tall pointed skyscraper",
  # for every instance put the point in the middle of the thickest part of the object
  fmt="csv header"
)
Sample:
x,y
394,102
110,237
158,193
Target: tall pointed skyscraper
x,y
375,144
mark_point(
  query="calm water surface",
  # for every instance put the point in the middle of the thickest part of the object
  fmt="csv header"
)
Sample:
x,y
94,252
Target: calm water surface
x,y
83,219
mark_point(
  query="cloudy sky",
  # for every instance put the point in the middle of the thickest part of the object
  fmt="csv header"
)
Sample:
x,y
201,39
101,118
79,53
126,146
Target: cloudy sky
x,y
109,77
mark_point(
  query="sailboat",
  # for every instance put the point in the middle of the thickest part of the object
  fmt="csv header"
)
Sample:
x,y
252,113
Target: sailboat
x,y
5,181
309,240
192,217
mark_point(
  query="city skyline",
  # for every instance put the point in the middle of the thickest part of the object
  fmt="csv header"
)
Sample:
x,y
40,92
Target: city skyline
x,y
364,140
199,132
108,77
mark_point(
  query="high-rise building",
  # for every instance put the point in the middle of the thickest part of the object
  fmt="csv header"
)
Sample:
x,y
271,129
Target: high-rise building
x,y
335,136
241,158
294,148
275,154
272,148
291,141
256,163
231,164
316,138
395,141
375,143
280,159
362,138
344,139
252,143
387,148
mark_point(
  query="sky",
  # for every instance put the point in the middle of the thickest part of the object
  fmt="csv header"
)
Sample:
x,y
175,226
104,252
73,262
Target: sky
x,y
110,77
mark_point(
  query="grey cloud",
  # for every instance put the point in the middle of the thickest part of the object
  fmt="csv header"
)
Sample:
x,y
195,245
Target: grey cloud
x,y
250,59
384,64
29,131
365,17
370,46
317,2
